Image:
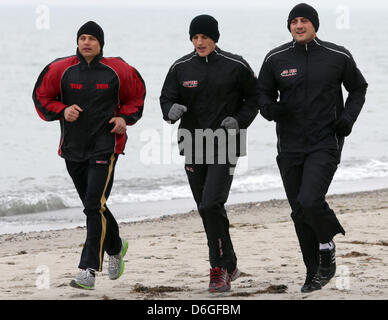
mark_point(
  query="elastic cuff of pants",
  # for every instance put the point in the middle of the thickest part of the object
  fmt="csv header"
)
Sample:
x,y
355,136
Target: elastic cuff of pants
x,y
83,267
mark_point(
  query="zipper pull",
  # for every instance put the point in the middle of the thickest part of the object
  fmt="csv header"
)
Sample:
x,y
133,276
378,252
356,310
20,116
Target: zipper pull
x,y
207,60
306,46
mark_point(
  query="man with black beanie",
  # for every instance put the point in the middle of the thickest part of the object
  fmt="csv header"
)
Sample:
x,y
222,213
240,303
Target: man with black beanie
x,y
95,99
93,29
312,121
213,94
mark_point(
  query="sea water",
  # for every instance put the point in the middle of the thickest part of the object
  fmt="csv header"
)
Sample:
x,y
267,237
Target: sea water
x,y
33,178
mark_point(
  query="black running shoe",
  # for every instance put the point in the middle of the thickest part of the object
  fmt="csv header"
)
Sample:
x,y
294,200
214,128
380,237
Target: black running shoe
x,y
312,283
327,265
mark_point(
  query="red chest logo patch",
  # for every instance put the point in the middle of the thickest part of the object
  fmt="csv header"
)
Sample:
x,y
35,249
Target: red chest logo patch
x,y
76,86
190,84
102,86
289,72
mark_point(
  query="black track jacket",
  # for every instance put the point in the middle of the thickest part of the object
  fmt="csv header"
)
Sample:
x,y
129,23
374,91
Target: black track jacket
x,y
212,87
309,78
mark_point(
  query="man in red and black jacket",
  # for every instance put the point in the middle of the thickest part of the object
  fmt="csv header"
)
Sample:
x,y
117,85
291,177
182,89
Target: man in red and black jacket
x,y
94,98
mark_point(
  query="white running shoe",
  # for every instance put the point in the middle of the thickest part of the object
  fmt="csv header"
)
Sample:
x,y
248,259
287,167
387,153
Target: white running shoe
x,y
116,262
84,280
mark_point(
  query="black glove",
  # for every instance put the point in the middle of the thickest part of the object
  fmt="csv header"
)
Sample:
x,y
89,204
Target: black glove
x,y
343,127
176,111
275,111
230,123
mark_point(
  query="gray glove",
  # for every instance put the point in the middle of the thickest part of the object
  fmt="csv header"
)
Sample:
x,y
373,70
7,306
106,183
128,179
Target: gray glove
x,y
176,111
230,123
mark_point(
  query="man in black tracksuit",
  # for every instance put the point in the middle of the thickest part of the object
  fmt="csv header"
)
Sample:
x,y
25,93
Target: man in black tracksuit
x,y
213,92
311,123
94,98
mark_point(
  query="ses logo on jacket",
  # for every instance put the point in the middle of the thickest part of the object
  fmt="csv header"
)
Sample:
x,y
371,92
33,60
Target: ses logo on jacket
x,y
289,72
190,83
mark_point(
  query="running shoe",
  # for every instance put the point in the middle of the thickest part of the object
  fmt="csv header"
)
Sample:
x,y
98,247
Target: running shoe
x,y
219,280
312,283
235,274
84,280
327,265
116,262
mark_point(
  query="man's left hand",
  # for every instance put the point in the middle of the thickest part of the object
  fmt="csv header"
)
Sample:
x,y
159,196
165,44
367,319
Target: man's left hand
x,y
230,123
120,125
343,127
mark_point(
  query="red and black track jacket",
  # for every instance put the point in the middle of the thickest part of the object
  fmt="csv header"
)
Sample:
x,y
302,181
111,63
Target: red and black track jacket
x,y
105,88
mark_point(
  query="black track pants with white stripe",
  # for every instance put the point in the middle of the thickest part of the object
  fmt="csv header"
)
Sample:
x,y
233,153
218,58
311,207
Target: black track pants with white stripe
x,y
93,180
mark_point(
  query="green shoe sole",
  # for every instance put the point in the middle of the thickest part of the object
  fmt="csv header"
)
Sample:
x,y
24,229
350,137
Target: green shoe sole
x,y
77,285
122,258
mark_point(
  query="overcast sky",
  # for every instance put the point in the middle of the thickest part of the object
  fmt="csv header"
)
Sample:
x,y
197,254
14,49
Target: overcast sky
x,y
201,3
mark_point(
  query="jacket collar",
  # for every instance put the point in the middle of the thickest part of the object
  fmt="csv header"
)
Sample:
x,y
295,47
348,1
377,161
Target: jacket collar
x,y
210,57
93,63
308,46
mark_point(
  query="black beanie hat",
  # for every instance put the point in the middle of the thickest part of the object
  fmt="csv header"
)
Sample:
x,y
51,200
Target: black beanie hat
x,y
306,11
93,29
206,25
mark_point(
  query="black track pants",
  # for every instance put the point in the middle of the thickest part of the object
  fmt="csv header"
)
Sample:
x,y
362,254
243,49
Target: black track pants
x,y
210,185
306,179
93,180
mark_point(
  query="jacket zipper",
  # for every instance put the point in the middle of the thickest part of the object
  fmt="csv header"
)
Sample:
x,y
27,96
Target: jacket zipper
x,y
335,134
335,111
206,78
306,91
278,132
88,99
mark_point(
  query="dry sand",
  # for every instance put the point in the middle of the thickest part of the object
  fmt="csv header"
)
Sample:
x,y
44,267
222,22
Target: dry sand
x,y
168,257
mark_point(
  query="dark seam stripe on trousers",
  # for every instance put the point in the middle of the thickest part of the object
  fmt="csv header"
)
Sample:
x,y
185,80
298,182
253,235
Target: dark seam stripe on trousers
x,y
210,185
102,210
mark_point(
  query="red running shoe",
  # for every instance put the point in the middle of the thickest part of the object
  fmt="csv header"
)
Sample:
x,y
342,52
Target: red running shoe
x,y
235,274
219,280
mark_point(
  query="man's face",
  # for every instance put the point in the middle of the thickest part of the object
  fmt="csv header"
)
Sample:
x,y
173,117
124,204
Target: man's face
x,y
88,46
302,30
203,44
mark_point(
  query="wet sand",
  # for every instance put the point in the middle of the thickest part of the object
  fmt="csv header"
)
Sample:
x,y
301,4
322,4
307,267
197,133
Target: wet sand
x,y
168,257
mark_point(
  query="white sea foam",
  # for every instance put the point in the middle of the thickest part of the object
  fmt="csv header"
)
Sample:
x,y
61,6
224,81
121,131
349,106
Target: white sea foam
x,y
160,189
370,169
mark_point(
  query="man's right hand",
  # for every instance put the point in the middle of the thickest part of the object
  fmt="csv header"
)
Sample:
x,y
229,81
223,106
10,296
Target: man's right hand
x,y
276,111
71,113
176,111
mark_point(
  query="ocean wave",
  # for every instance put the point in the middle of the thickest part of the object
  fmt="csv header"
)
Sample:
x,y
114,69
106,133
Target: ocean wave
x,y
163,193
350,170
258,182
31,204
55,196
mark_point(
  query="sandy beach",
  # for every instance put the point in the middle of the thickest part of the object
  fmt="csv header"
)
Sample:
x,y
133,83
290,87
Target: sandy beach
x,y
168,256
